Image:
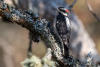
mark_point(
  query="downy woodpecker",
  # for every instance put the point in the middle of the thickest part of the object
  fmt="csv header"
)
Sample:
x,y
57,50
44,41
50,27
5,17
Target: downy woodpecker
x,y
63,29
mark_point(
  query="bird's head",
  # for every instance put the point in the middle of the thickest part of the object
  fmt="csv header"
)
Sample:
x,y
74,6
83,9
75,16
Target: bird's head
x,y
63,11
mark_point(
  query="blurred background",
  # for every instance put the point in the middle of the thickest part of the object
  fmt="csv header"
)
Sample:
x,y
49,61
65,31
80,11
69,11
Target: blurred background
x,y
14,39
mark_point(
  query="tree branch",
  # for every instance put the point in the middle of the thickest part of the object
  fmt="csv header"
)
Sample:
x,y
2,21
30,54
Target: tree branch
x,y
34,25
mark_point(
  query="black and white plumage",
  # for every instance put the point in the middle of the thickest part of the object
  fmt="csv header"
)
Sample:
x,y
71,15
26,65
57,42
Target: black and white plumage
x,y
62,28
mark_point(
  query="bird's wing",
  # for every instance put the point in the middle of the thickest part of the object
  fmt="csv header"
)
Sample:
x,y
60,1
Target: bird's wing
x,y
63,29
57,37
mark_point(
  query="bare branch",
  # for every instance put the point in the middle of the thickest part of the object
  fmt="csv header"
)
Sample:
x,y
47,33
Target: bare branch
x,y
92,11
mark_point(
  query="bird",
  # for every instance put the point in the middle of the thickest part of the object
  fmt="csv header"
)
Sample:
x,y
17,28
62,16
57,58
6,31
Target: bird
x,y
62,28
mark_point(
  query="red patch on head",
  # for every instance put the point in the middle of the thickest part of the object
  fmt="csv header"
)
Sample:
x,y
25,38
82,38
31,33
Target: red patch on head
x,y
67,11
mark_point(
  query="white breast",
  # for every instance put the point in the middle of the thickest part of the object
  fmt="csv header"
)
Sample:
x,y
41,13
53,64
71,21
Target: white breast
x,y
67,22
